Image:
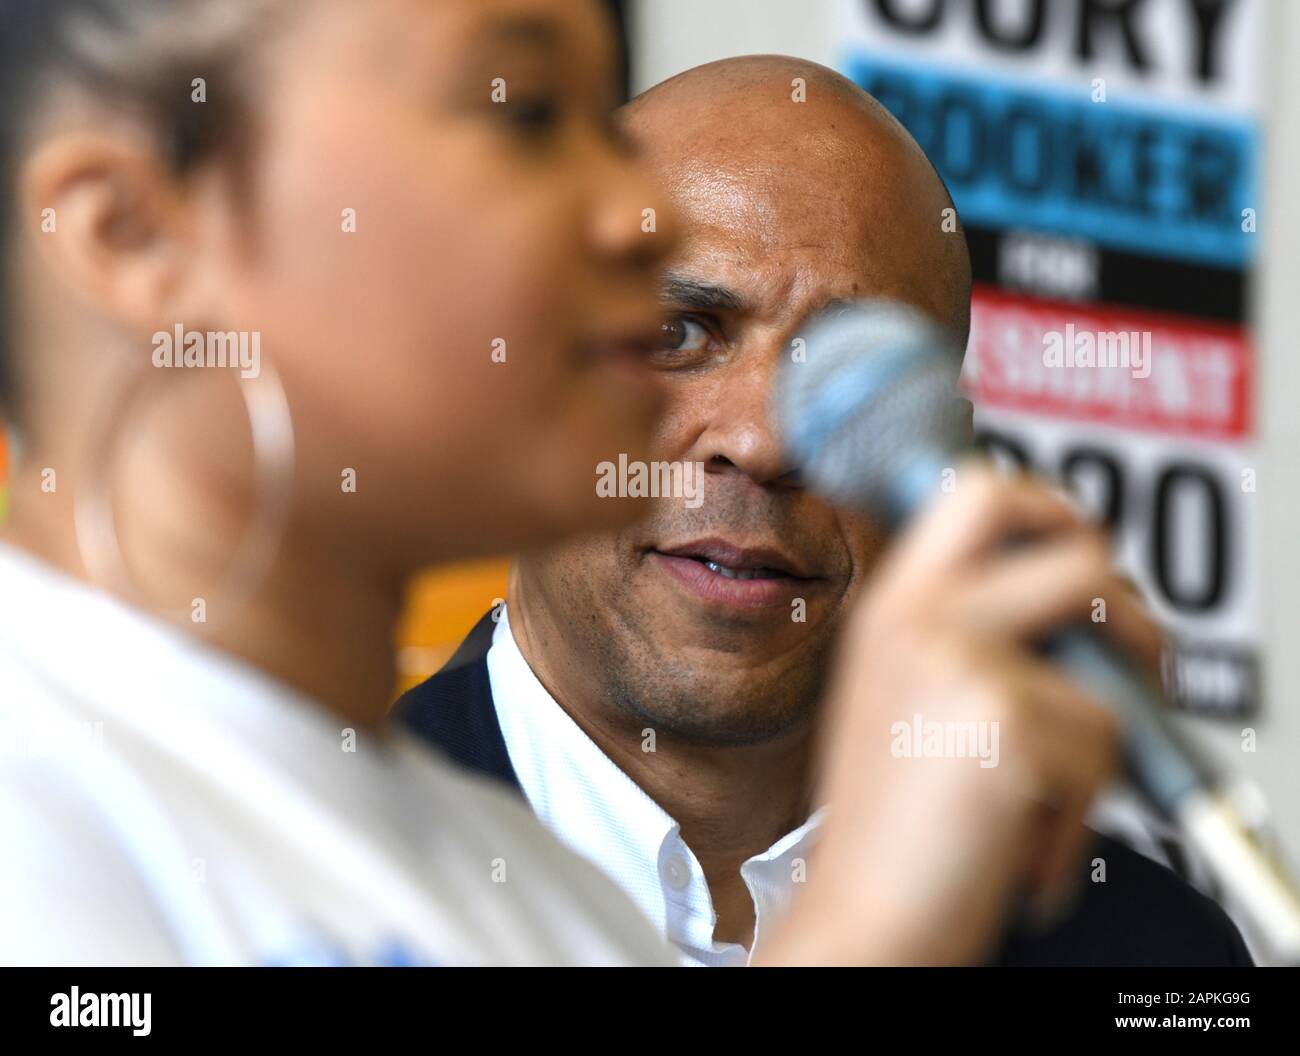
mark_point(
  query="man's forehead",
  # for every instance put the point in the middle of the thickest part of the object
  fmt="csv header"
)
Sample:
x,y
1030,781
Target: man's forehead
x,y
762,204
771,239
830,186
788,205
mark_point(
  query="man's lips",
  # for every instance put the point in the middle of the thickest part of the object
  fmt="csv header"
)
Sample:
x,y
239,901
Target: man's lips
x,y
761,559
740,577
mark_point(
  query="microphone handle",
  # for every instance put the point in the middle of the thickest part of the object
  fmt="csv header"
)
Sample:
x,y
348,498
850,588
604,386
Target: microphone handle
x,y
1180,782
1164,765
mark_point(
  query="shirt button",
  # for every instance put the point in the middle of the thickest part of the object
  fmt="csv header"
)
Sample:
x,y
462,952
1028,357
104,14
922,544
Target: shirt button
x,y
677,872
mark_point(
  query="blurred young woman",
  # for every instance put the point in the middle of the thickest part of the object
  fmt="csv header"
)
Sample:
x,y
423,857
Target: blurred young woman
x,y
416,225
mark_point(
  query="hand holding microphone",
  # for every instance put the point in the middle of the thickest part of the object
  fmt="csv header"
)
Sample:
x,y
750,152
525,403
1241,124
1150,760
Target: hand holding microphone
x,y
931,851
988,583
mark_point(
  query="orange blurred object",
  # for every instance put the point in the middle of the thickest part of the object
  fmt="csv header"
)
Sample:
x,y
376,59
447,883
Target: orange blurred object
x,y
4,475
443,604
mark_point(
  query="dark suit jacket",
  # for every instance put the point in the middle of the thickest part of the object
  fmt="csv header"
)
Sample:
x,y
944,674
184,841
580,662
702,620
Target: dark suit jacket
x,y
1142,915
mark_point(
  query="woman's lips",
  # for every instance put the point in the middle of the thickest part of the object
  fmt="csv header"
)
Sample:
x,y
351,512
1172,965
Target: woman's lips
x,y
708,585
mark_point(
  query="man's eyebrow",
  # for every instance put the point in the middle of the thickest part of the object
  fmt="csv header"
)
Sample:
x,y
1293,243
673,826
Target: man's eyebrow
x,y
702,296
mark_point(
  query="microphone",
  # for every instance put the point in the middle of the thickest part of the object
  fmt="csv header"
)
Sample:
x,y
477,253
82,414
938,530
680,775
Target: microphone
x,y
871,414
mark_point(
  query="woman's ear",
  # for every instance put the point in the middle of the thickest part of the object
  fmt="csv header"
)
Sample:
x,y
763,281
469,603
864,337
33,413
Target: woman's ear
x,y
967,411
113,226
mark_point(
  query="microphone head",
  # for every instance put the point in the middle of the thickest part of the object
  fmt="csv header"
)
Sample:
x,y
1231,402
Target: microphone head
x,y
871,412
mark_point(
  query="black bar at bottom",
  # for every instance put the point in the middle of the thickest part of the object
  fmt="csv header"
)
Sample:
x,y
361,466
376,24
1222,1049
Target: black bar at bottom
x,y
440,1007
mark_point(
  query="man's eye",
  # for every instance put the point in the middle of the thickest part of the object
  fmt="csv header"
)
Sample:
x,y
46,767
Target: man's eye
x,y
682,334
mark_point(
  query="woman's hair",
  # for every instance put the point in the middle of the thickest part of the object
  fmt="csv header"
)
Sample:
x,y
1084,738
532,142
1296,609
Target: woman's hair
x,y
138,56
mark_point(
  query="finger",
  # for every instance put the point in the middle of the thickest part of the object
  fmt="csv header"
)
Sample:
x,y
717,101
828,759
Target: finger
x,y
1075,746
1055,877
1032,589
1062,745
987,509
1125,619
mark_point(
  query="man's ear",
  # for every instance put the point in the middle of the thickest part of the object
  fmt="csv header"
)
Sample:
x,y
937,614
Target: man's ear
x,y
114,227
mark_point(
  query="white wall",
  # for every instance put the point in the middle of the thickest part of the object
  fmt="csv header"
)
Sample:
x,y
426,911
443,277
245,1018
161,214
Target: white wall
x,y
1277,764
670,36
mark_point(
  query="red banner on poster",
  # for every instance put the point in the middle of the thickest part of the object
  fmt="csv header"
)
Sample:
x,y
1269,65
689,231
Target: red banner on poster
x,y
1115,366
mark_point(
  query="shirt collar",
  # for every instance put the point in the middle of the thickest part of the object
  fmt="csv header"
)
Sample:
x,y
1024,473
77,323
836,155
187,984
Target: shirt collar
x,y
582,796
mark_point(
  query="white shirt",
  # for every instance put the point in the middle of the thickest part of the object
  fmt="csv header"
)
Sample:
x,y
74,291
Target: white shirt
x,y
595,808
162,803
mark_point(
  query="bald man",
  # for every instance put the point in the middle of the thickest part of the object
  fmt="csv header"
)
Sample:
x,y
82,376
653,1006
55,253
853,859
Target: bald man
x,y
653,693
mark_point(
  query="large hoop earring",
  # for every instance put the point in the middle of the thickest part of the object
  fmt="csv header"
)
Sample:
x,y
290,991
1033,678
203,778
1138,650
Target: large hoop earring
x,y
271,426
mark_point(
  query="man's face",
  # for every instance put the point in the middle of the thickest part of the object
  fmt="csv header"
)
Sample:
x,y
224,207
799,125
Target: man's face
x,y
715,623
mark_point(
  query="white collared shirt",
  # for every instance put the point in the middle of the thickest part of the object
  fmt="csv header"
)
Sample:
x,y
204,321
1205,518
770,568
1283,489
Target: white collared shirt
x,y
163,803
596,809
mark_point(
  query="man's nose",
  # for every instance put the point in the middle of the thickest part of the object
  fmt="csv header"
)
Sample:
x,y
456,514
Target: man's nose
x,y
741,433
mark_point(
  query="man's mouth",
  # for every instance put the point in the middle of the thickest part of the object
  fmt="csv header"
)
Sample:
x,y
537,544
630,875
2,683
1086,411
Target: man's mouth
x,y
741,573
725,574
739,562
